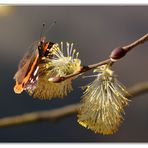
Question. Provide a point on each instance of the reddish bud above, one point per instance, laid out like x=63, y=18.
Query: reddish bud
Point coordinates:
x=117, y=53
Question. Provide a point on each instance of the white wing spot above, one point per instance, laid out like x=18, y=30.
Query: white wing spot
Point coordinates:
x=35, y=72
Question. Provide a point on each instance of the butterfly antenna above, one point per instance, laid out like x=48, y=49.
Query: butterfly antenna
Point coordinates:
x=42, y=31
x=51, y=25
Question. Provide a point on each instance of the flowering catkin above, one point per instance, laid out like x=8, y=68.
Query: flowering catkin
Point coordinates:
x=58, y=65
x=103, y=102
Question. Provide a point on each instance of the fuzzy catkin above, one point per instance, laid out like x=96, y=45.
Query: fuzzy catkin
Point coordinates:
x=102, y=105
x=59, y=65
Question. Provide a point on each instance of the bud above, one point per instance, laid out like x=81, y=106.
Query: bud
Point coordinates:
x=117, y=53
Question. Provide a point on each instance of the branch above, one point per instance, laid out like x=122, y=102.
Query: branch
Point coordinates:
x=136, y=43
x=56, y=114
x=50, y=115
x=82, y=70
x=115, y=55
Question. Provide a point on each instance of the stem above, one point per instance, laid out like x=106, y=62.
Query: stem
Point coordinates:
x=136, y=43
x=115, y=53
x=82, y=70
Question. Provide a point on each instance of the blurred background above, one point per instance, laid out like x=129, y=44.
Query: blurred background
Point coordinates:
x=95, y=31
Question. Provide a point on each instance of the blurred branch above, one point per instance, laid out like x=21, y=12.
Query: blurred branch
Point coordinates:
x=56, y=114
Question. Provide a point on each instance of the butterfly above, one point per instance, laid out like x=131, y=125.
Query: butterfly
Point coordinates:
x=44, y=61
x=27, y=75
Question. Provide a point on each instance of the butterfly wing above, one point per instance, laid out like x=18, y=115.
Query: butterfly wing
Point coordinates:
x=25, y=68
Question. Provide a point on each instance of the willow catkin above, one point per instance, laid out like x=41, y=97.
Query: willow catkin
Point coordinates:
x=60, y=65
x=102, y=105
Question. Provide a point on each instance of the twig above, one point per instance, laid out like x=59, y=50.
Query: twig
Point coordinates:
x=82, y=70
x=136, y=43
x=115, y=55
x=56, y=114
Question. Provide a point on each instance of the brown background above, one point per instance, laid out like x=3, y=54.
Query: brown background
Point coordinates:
x=95, y=30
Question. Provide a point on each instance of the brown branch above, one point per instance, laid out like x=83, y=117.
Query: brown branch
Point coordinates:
x=55, y=114
x=82, y=70
x=115, y=55
x=136, y=43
